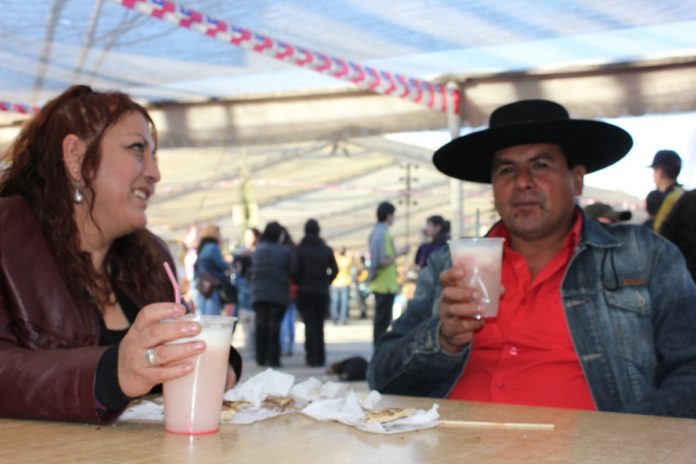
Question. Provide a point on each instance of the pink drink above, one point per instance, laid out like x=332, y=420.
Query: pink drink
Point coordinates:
x=481, y=260
x=192, y=404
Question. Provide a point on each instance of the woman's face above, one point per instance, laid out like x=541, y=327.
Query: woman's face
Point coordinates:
x=126, y=177
x=431, y=230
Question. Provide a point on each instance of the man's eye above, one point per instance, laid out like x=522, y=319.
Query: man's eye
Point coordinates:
x=540, y=165
x=503, y=170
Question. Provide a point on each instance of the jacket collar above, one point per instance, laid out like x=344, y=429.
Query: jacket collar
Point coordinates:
x=595, y=234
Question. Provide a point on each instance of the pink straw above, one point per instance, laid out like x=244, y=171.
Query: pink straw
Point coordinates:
x=175, y=285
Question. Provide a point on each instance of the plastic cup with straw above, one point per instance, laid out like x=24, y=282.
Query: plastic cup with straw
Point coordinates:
x=193, y=403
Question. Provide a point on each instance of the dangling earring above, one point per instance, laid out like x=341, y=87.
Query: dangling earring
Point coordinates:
x=78, y=197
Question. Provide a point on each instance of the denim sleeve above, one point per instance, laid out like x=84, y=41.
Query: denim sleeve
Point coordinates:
x=673, y=294
x=219, y=262
x=408, y=359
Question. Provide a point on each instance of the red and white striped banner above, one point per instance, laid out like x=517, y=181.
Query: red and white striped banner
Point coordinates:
x=436, y=96
x=18, y=108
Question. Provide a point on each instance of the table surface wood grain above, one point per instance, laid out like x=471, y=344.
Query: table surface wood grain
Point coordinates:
x=578, y=437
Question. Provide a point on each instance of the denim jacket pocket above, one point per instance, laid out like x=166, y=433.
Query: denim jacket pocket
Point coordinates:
x=630, y=313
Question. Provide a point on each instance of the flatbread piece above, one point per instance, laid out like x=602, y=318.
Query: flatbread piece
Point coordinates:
x=387, y=415
x=230, y=408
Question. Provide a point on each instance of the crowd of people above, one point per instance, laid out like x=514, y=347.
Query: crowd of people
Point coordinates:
x=596, y=313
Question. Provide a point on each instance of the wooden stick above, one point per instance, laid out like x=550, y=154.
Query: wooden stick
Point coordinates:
x=496, y=425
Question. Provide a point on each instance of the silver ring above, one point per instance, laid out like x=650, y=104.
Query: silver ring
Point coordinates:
x=151, y=357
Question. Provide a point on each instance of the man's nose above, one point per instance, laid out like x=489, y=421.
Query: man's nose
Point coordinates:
x=523, y=178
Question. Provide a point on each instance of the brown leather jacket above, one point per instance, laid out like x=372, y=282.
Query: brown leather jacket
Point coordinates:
x=48, y=340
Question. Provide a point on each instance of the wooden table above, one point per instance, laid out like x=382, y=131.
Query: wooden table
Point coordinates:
x=579, y=437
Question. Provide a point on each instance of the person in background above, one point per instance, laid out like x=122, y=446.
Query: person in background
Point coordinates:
x=209, y=260
x=666, y=166
x=594, y=316
x=360, y=275
x=313, y=268
x=83, y=287
x=270, y=278
x=383, y=276
x=680, y=228
x=437, y=231
x=241, y=264
x=601, y=212
x=652, y=206
x=340, y=287
x=287, y=326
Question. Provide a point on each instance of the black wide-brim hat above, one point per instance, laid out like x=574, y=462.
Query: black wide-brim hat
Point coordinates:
x=594, y=144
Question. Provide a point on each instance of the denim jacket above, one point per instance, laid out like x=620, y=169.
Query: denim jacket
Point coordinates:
x=630, y=305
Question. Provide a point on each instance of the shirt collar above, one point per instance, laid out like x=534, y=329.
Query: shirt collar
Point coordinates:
x=571, y=240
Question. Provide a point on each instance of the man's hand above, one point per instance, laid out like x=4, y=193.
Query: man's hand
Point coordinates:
x=459, y=307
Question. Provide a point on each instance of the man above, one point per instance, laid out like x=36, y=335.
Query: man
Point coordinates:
x=666, y=166
x=383, y=275
x=593, y=317
x=680, y=228
x=601, y=212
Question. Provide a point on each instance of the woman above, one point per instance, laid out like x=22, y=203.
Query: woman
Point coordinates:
x=83, y=288
x=210, y=264
x=340, y=288
x=270, y=275
x=313, y=269
x=437, y=231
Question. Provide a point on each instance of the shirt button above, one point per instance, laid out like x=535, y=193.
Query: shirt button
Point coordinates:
x=513, y=351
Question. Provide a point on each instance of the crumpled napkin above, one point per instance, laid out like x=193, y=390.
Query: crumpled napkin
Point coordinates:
x=350, y=410
x=144, y=410
x=320, y=401
x=255, y=390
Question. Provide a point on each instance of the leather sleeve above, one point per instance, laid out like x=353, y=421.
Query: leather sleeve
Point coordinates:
x=48, y=342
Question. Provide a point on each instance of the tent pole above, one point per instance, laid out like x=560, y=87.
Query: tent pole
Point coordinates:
x=454, y=121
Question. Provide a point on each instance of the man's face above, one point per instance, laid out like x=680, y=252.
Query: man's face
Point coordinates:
x=534, y=190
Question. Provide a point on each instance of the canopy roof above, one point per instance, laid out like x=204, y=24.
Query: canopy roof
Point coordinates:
x=312, y=143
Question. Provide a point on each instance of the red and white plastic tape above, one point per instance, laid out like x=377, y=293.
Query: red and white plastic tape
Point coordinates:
x=18, y=108
x=436, y=96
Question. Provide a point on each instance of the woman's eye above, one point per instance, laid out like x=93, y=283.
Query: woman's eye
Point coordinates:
x=138, y=148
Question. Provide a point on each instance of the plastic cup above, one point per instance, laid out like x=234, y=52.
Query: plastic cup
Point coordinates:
x=193, y=403
x=480, y=259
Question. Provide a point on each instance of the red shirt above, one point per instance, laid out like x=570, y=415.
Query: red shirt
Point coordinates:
x=526, y=355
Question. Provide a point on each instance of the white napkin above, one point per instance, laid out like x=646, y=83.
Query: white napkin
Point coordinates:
x=348, y=410
x=144, y=410
x=320, y=401
x=257, y=388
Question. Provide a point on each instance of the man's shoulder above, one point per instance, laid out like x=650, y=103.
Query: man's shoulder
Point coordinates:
x=631, y=238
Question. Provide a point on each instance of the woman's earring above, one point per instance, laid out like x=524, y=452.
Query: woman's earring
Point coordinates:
x=78, y=197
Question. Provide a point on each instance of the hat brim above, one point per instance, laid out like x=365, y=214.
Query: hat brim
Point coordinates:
x=594, y=144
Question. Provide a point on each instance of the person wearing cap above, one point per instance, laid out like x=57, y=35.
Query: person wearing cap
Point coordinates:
x=666, y=166
x=601, y=212
x=595, y=317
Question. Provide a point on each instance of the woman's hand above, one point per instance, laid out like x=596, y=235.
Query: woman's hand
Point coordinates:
x=135, y=375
